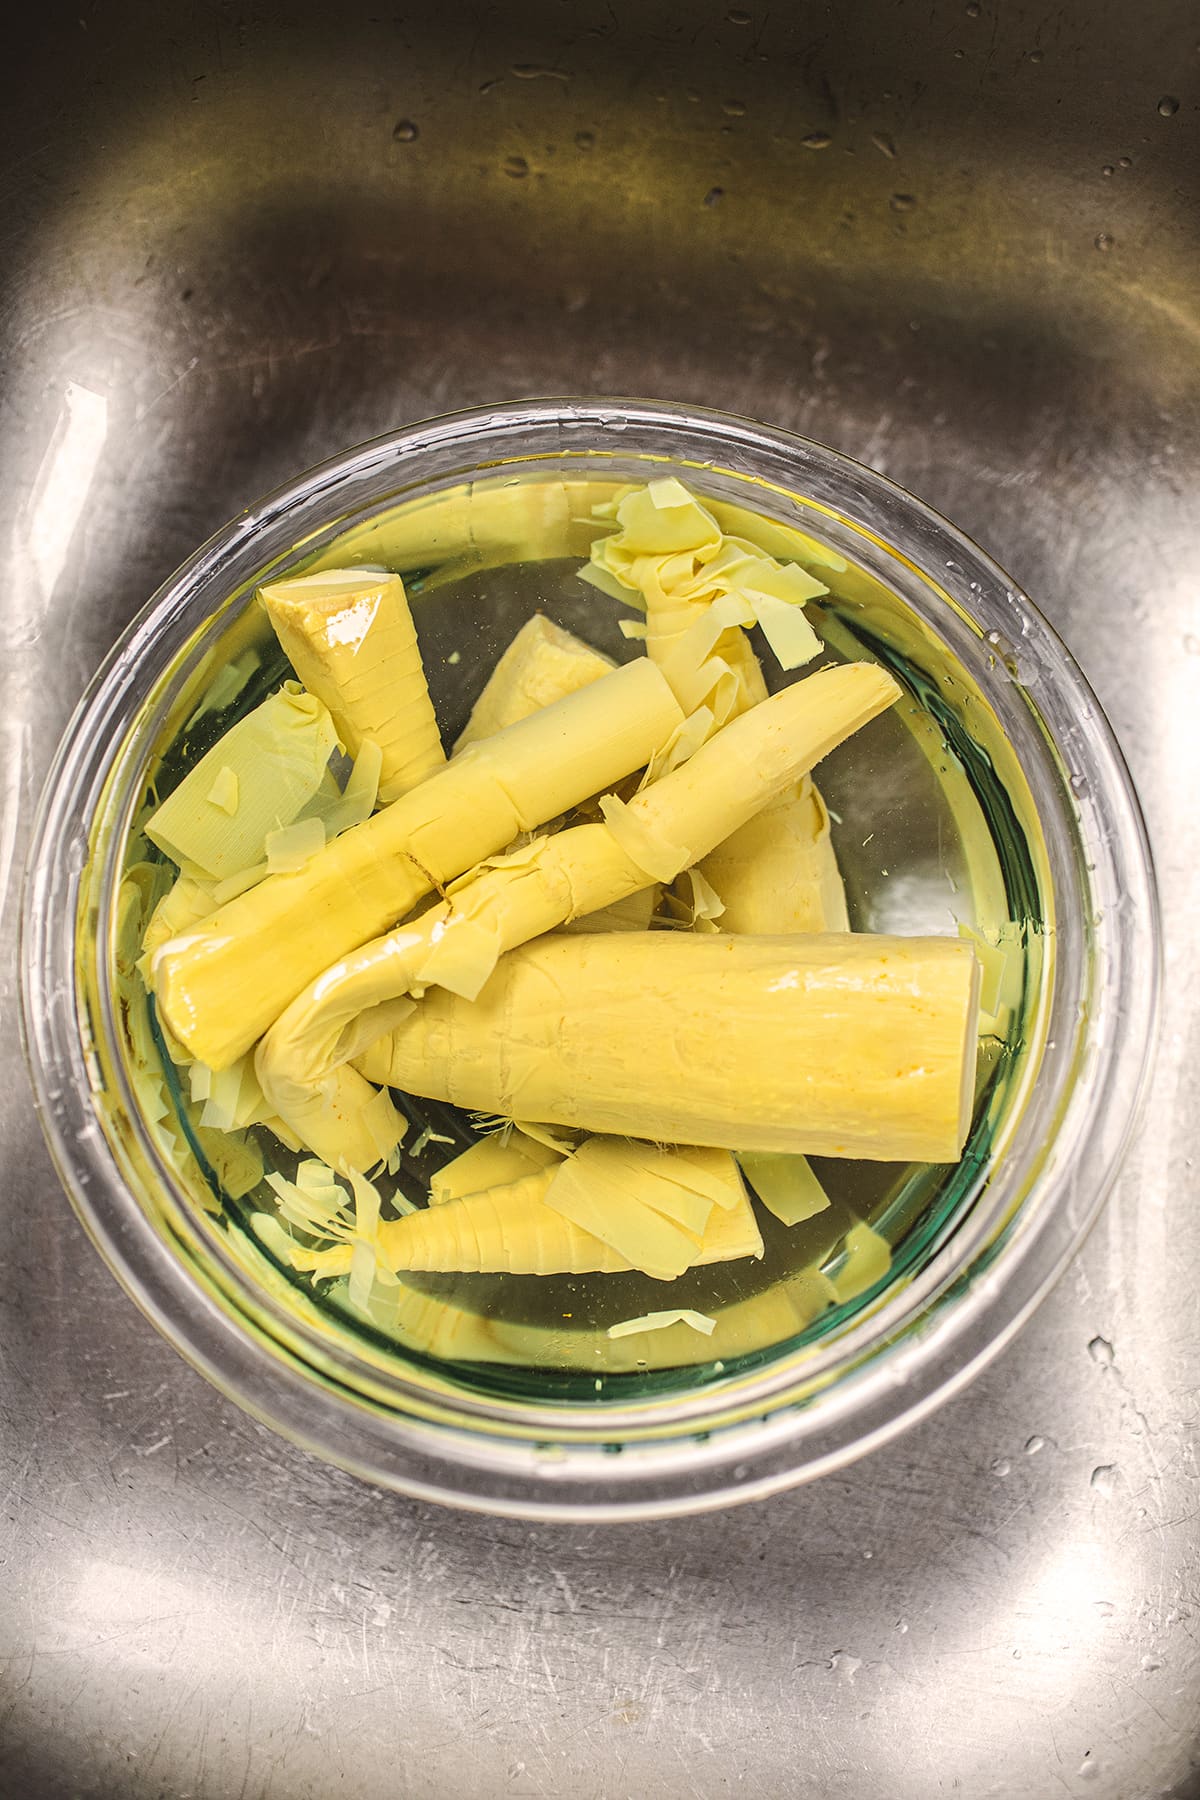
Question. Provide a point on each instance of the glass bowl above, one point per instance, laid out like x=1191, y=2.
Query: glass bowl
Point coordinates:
x=992, y=797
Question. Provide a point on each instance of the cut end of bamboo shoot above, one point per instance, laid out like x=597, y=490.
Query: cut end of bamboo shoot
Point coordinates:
x=543, y=663
x=350, y=637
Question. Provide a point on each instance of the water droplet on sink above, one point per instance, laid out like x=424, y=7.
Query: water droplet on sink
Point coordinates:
x=883, y=143
x=1001, y=1467
x=1168, y=106
x=1089, y=1767
x=973, y=9
x=734, y=109
x=1034, y=1444
x=585, y=140
x=714, y=196
x=1124, y=162
x=1037, y=56
x=737, y=15
x=902, y=203
x=1104, y=240
x=1150, y=1662
x=817, y=140
x=1107, y=169
x=405, y=132
x=1102, y=1352
x=1104, y=1480
x=517, y=167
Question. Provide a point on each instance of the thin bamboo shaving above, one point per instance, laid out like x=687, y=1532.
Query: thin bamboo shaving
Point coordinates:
x=276, y=757
x=224, y=791
x=785, y=1184
x=658, y=1321
x=295, y=845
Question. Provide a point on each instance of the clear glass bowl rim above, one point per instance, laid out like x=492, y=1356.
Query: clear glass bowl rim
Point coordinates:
x=918, y=1350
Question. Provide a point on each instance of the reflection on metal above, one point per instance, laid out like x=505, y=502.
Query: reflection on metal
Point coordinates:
x=63, y=483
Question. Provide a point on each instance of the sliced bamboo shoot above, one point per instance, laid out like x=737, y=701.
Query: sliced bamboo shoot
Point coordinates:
x=698, y=589
x=834, y=1045
x=778, y=872
x=221, y=985
x=493, y=1161
x=661, y=831
x=350, y=637
x=271, y=763
x=786, y=1185
x=543, y=663
x=513, y=1230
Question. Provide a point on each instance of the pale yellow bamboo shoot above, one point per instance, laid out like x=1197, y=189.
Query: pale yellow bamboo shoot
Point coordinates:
x=350, y=637
x=225, y=982
x=834, y=1045
x=492, y=1161
x=543, y=663
x=512, y=1230
x=778, y=872
x=662, y=830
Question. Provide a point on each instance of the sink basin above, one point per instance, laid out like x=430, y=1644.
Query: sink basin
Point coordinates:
x=956, y=242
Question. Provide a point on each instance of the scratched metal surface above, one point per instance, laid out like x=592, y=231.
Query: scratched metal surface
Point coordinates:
x=227, y=252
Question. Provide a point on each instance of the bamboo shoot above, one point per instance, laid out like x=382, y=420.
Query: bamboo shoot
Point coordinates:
x=223, y=983
x=543, y=663
x=833, y=1045
x=661, y=831
x=515, y=1230
x=350, y=637
x=778, y=872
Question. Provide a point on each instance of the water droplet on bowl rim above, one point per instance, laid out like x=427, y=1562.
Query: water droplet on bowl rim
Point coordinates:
x=1168, y=106
x=516, y=167
x=902, y=203
x=405, y=132
x=817, y=140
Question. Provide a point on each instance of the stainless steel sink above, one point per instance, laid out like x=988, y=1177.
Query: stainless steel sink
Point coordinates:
x=957, y=241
